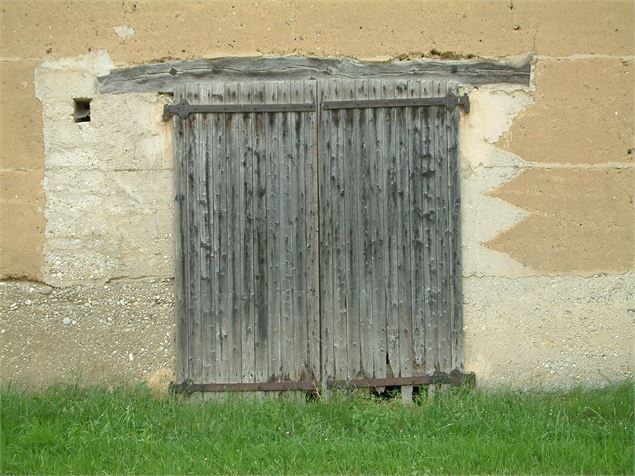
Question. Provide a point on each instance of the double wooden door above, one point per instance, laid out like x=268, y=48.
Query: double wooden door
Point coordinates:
x=318, y=236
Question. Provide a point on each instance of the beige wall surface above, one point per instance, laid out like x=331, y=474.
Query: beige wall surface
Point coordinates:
x=548, y=171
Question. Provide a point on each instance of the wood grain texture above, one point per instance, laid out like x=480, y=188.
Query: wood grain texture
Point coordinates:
x=318, y=245
x=310, y=151
x=180, y=173
x=389, y=213
x=325, y=160
x=166, y=77
x=375, y=124
x=244, y=259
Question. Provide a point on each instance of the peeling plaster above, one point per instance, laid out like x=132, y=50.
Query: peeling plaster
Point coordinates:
x=485, y=167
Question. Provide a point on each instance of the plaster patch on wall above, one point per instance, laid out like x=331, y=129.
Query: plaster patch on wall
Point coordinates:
x=108, y=182
x=549, y=331
x=492, y=111
x=124, y=32
x=484, y=167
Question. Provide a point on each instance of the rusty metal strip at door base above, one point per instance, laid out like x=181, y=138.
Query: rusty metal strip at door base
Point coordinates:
x=454, y=378
x=188, y=387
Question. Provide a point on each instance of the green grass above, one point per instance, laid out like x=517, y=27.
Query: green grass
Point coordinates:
x=92, y=430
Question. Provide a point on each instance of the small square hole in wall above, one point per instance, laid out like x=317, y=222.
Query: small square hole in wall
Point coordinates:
x=82, y=110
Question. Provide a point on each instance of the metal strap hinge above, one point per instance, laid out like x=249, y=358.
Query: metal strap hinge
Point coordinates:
x=451, y=101
x=183, y=108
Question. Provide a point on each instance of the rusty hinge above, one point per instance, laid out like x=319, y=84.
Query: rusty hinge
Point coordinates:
x=183, y=108
x=450, y=101
x=455, y=378
x=187, y=387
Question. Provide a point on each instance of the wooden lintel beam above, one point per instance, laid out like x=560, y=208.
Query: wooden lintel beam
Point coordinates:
x=164, y=77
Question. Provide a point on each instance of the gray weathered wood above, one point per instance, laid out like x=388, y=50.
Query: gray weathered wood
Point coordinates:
x=376, y=121
x=441, y=163
x=219, y=238
x=417, y=226
x=318, y=245
x=351, y=228
x=287, y=354
x=298, y=250
x=246, y=237
x=364, y=231
x=193, y=240
x=405, y=137
x=165, y=77
x=406, y=191
x=339, y=135
x=272, y=136
x=326, y=150
x=233, y=157
x=231, y=170
x=455, y=270
x=432, y=322
x=260, y=168
x=310, y=150
x=180, y=163
x=205, y=236
x=429, y=246
x=390, y=197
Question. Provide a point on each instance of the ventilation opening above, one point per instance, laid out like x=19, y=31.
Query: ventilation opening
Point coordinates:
x=82, y=110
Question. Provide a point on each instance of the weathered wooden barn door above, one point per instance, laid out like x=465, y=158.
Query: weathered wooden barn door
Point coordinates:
x=318, y=233
x=247, y=277
x=389, y=230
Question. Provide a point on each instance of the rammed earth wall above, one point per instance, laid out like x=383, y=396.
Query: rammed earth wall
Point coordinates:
x=547, y=177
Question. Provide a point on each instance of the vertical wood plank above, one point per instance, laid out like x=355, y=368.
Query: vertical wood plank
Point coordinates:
x=247, y=237
x=404, y=136
x=227, y=270
x=234, y=157
x=312, y=233
x=364, y=233
x=273, y=132
x=194, y=239
x=456, y=275
x=338, y=224
x=417, y=211
x=260, y=170
x=429, y=234
x=211, y=126
x=219, y=235
x=326, y=160
x=299, y=344
x=376, y=121
x=432, y=349
x=349, y=171
x=390, y=146
x=207, y=254
x=286, y=236
x=180, y=134
x=444, y=331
